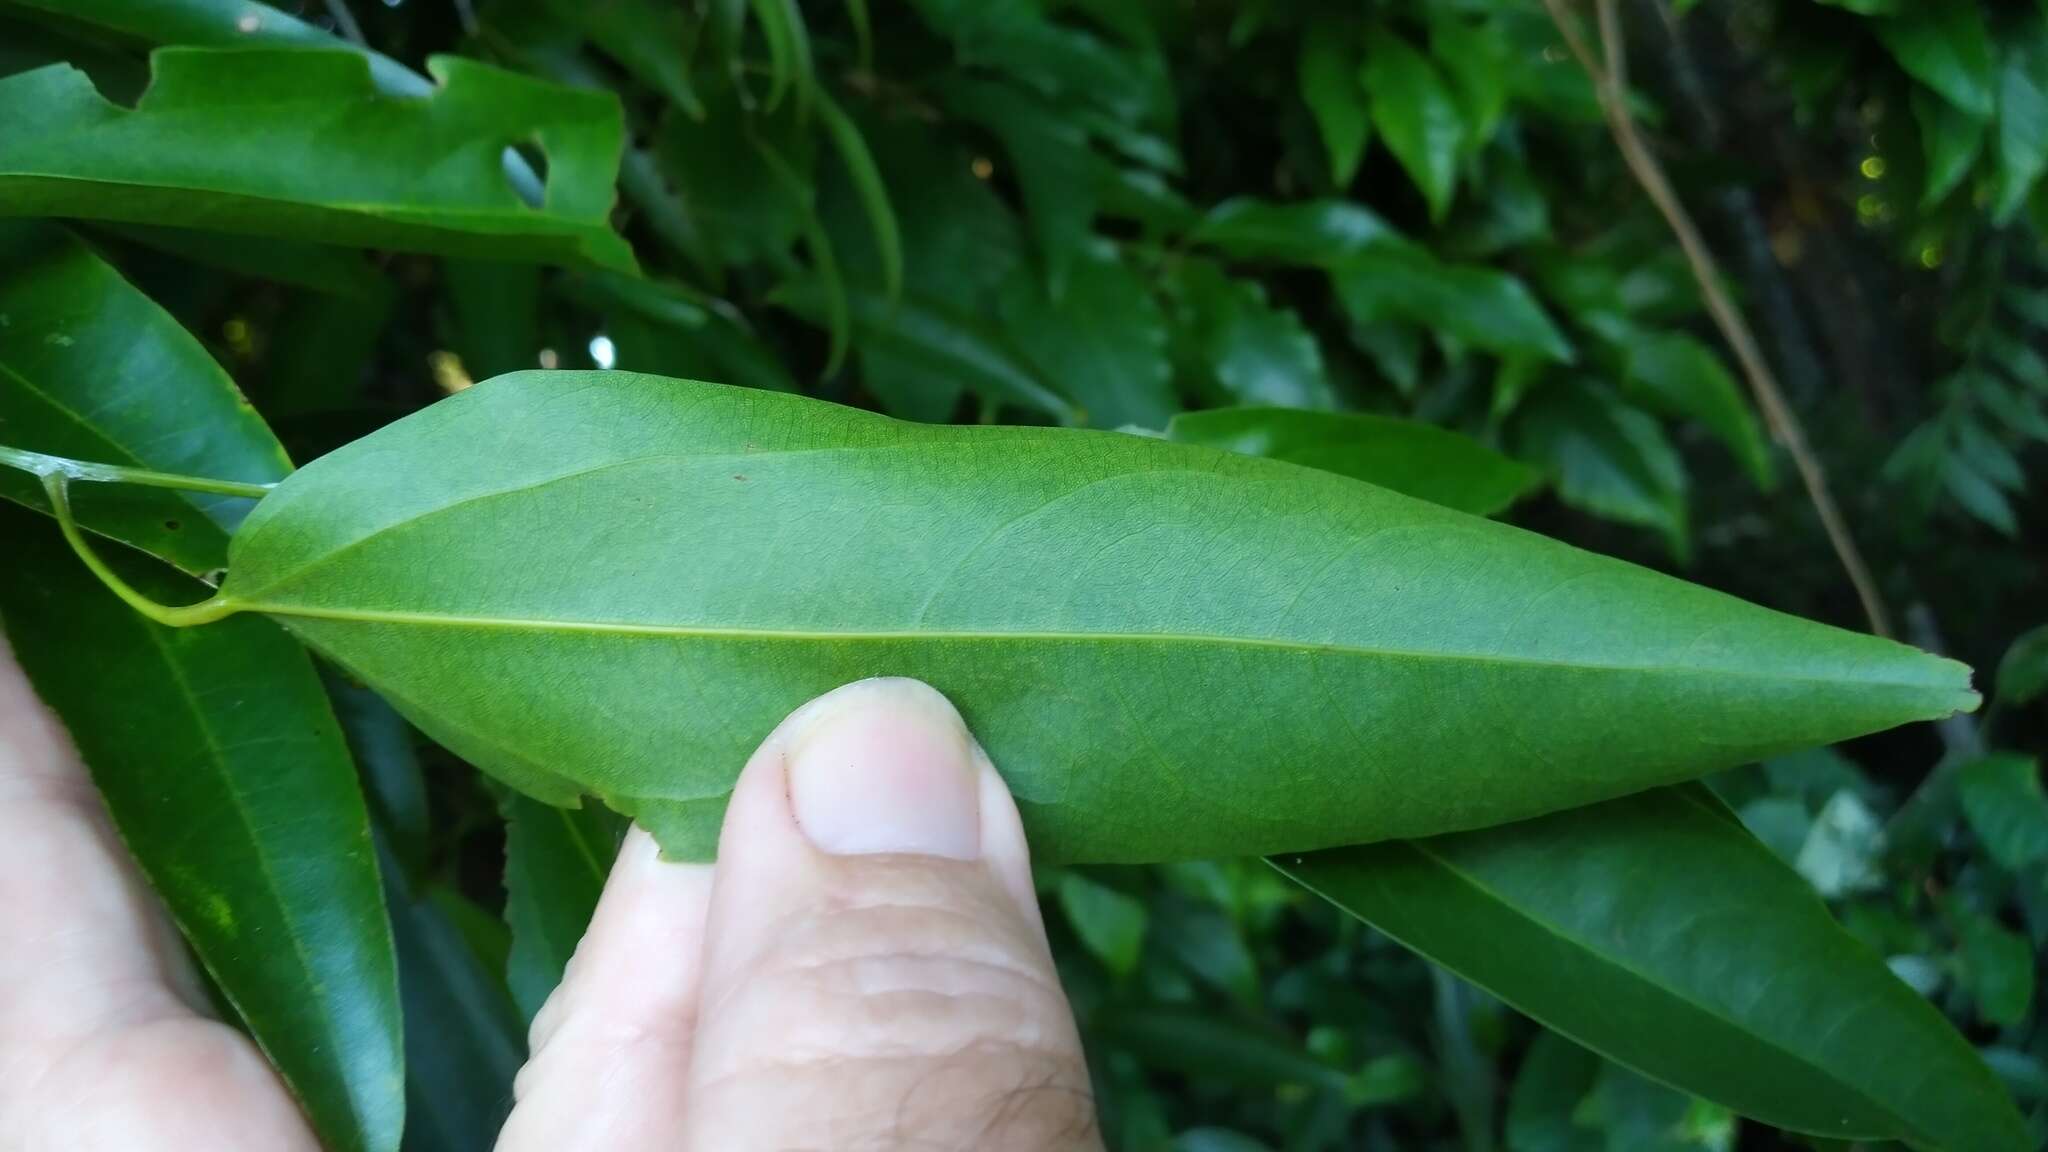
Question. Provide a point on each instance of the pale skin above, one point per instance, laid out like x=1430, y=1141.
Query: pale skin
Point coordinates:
x=864, y=968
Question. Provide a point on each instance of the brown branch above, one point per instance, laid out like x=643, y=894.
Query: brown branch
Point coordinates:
x=1610, y=84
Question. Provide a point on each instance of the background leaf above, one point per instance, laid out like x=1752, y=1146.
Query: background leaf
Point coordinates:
x=1416, y=115
x=1604, y=924
x=1328, y=76
x=227, y=140
x=92, y=369
x=1414, y=459
x=556, y=862
x=280, y=899
x=1945, y=45
x=1679, y=375
x=1101, y=342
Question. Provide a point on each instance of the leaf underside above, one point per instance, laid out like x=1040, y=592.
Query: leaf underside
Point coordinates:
x=616, y=584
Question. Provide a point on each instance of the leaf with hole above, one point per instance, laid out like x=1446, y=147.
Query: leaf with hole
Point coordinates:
x=298, y=143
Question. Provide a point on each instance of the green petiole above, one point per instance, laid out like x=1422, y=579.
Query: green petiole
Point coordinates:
x=47, y=466
x=57, y=473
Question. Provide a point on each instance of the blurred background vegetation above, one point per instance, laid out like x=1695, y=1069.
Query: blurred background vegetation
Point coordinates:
x=1113, y=212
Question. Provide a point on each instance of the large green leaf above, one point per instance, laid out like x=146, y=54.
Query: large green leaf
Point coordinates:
x=556, y=862
x=1945, y=45
x=1416, y=459
x=227, y=776
x=1173, y=651
x=1102, y=341
x=1655, y=930
x=299, y=143
x=92, y=369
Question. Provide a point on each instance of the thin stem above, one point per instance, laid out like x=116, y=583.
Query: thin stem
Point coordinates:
x=1610, y=84
x=345, y=23
x=48, y=466
x=58, y=486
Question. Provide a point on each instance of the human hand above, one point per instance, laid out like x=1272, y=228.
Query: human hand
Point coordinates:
x=865, y=967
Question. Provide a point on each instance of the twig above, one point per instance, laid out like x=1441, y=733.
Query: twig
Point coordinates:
x=345, y=23
x=1610, y=84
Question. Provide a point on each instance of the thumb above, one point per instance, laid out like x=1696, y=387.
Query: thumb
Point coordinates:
x=875, y=971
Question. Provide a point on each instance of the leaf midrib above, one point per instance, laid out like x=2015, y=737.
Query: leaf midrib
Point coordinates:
x=332, y=1057
x=716, y=632
x=632, y=628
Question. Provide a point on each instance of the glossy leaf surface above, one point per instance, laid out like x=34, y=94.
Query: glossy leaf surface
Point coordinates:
x=1656, y=931
x=226, y=730
x=1172, y=651
x=1415, y=459
x=299, y=143
x=92, y=369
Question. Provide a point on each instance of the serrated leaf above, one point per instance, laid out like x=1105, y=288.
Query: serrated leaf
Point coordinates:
x=556, y=862
x=1410, y=457
x=1102, y=343
x=228, y=730
x=2003, y=802
x=1609, y=924
x=1679, y=376
x=298, y=143
x=987, y=562
x=1609, y=459
x=1244, y=348
x=1945, y=45
x=1480, y=306
x=1416, y=115
x=92, y=369
x=1327, y=75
